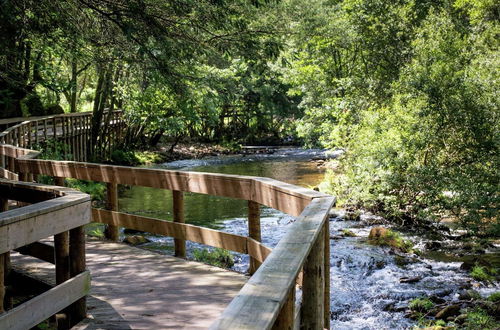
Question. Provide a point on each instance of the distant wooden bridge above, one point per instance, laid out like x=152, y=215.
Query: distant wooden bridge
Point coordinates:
x=132, y=288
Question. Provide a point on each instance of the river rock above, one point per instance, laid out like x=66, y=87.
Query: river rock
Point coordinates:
x=451, y=310
x=136, y=240
x=437, y=300
x=410, y=279
x=469, y=295
x=460, y=319
x=351, y=215
x=433, y=245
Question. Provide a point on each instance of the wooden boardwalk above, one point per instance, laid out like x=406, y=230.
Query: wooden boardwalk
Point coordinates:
x=137, y=289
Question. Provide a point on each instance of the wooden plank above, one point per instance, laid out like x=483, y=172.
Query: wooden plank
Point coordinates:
x=259, y=302
x=197, y=234
x=178, y=210
x=38, y=250
x=31, y=223
x=205, y=183
x=48, y=303
x=6, y=174
x=257, y=250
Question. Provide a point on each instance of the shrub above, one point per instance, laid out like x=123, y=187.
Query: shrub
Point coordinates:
x=96, y=190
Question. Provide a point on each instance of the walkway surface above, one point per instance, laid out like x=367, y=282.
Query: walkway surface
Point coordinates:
x=138, y=289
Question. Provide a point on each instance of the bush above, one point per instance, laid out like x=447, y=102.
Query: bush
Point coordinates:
x=216, y=257
x=96, y=190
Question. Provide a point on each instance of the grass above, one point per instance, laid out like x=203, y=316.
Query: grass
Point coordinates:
x=421, y=304
x=216, y=257
x=479, y=319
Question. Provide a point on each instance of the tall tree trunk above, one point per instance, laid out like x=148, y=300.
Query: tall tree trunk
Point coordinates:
x=74, y=85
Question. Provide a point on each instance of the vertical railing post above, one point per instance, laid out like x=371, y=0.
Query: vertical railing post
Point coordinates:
x=254, y=231
x=313, y=287
x=112, y=232
x=4, y=261
x=178, y=208
x=77, y=265
x=2, y=281
x=327, y=274
x=286, y=316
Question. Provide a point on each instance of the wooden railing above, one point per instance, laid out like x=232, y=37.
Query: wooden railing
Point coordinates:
x=48, y=211
x=300, y=260
x=72, y=130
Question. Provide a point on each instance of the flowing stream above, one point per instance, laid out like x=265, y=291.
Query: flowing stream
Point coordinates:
x=365, y=280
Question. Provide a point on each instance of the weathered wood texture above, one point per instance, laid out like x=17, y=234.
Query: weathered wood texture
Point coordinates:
x=48, y=303
x=112, y=232
x=259, y=302
x=184, y=231
x=137, y=289
x=254, y=231
x=178, y=211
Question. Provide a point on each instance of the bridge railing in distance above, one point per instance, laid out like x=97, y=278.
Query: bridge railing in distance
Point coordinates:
x=46, y=211
x=299, y=261
x=72, y=130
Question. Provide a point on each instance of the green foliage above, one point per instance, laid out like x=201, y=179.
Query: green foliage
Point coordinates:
x=216, y=257
x=134, y=158
x=479, y=319
x=421, y=304
x=481, y=273
x=96, y=190
x=431, y=148
x=495, y=297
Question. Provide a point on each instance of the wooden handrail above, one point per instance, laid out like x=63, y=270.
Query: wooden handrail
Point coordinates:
x=267, y=299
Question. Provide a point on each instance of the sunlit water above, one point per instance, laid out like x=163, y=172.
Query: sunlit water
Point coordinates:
x=364, y=278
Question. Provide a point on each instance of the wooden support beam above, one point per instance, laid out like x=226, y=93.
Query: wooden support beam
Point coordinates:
x=178, y=201
x=61, y=255
x=313, y=287
x=78, y=309
x=112, y=232
x=327, y=274
x=2, y=282
x=254, y=231
x=286, y=317
x=38, y=250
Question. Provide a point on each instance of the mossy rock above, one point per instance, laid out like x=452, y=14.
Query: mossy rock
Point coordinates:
x=385, y=237
x=54, y=109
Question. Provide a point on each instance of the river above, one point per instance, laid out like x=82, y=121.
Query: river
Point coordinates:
x=365, y=280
